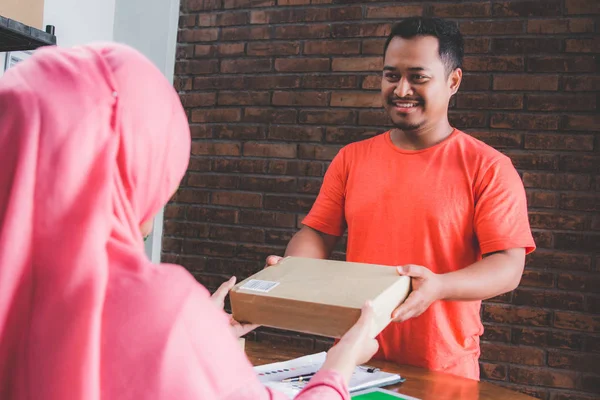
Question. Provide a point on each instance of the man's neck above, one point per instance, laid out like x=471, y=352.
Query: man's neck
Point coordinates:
x=421, y=138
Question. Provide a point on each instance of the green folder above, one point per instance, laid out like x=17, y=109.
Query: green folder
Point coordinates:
x=380, y=394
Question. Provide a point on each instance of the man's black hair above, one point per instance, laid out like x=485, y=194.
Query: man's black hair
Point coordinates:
x=451, y=44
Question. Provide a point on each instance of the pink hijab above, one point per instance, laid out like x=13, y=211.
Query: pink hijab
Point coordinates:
x=94, y=142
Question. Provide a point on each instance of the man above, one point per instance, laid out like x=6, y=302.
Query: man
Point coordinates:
x=445, y=207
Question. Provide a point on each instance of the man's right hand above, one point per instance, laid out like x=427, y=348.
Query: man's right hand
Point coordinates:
x=272, y=260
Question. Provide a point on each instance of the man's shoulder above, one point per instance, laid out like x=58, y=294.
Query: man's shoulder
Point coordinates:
x=361, y=146
x=476, y=149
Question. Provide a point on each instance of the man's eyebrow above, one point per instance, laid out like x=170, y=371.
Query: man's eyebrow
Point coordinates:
x=390, y=68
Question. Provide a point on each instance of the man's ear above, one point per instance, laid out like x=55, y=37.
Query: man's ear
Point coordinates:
x=454, y=80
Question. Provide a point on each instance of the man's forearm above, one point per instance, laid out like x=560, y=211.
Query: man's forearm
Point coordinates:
x=310, y=243
x=495, y=274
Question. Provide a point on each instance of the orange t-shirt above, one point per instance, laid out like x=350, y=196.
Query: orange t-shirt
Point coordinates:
x=440, y=207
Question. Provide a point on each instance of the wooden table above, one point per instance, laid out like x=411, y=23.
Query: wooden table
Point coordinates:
x=420, y=383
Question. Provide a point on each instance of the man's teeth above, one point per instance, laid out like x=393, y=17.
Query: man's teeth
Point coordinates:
x=406, y=105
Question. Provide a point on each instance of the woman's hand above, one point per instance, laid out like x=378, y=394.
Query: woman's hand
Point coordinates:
x=218, y=298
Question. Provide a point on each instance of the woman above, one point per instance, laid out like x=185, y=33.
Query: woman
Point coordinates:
x=94, y=142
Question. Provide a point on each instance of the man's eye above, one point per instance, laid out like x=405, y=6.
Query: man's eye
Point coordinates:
x=392, y=77
x=419, y=77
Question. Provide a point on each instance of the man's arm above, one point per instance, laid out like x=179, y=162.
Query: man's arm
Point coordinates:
x=495, y=274
x=308, y=242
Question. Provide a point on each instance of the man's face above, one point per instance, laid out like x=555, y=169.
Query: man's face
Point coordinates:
x=415, y=88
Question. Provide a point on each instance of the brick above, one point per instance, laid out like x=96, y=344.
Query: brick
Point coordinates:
x=528, y=8
x=218, y=82
x=580, y=201
x=255, y=149
x=239, y=165
x=302, y=64
x=243, y=98
x=371, y=82
x=218, y=181
x=360, y=30
x=182, y=83
x=280, y=237
x=461, y=10
x=247, y=3
x=525, y=45
x=312, y=31
x=270, y=82
x=539, y=199
x=576, y=242
x=330, y=81
x=552, y=181
x=332, y=47
x=589, y=383
x=548, y=299
x=288, y=203
x=186, y=195
x=582, y=46
x=533, y=161
x=172, y=245
x=269, y=115
x=293, y=2
x=579, y=282
x=373, y=46
x=345, y=135
x=317, y=152
x=216, y=50
x=197, y=247
x=286, y=16
x=537, y=279
x=581, y=7
x=582, y=122
x=295, y=168
x=512, y=354
x=475, y=82
x=289, y=98
x=267, y=218
x=184, y=51
x=196, y=67
x=581, y=83
x=505, y=298
x=245, y=33
x=356, y=99
x=563, y=102
x=190, y=100
x=223, y=19
x=216, y=148
x=268, y=184
x=547, y=141
x=496, y=333
x=577, y=321
x=198, y=35
x=526, y=82
x=374, y=118
x=493, y=63
x=201, y=5
x=468, y=119
x=524, y=121
x=216, y=115
x=199, y=164
x=483, y=28
x=564, y=25
x=561, y=64
x=237, y=199
x=551, y=220
x=543, y=377
x=213, y=215
x=580, y=163
x=558, y=260
x=309, y=185
x=547, y=338
x=569, y=395
x=535, y=392
x=273, y=48
x=185, y=229
x=357, y=64
x=477, y=45
x=494, y=101
x=328, y=117
x=516, y=315
x=237, y=234
x=543, y=239
x=592, y=304
x=187, y=21
x=296, y=133
x=387, y=12
x=174, y=211
x=492, y=371
x=245, y=65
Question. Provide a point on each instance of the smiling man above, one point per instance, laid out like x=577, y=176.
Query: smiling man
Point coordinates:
x=445, y=208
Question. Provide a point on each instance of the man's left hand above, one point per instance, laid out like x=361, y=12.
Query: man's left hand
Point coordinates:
x=427, y=287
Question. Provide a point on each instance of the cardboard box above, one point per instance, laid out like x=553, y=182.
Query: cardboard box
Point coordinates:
x=28, y=12
x=321, y=297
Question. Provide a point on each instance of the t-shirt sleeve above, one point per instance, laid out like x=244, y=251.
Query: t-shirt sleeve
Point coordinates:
x=327, y=214
x=501, y=220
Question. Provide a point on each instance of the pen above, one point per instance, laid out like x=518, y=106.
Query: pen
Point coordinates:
x=299, y=378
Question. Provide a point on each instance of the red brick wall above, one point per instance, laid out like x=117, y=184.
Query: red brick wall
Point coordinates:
x=274, y=89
